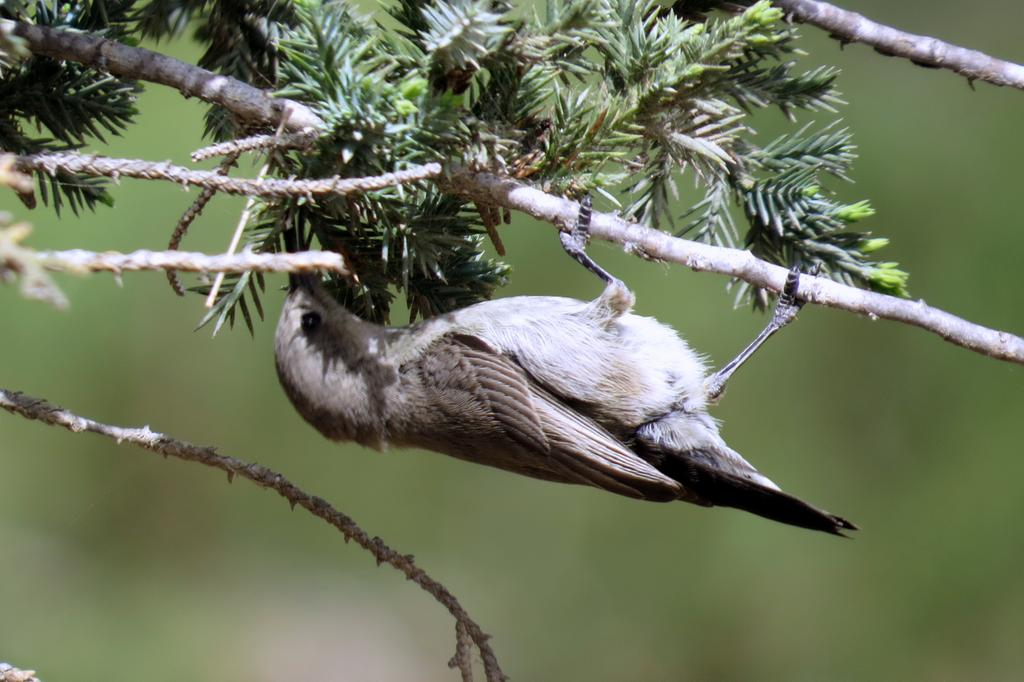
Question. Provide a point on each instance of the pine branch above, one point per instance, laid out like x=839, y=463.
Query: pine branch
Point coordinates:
x=162, y=444
x=58, y=105
x=463, y=32
x=850, y=27
x=248, y=103
x=512, y=194
x=739, y=264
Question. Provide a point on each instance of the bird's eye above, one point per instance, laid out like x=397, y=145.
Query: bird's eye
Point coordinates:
x=310, y=321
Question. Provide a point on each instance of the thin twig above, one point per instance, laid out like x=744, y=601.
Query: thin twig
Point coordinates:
x=105, y=166
x=243, y=220
x=490, y=216
x=850, y=27
x=191, y=213
x=248, y=103
x=36, y=408
x=463, y=658
x=736, y=263
x=301, y=140
x=80, y=261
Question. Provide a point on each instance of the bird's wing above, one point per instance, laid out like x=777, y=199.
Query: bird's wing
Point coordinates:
x=491, y=392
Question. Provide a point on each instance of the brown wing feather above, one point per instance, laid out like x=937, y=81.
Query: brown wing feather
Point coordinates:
x=582, y=444
x=493, y=389
x=501, y=385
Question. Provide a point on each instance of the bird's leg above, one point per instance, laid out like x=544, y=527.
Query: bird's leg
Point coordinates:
x=786, y=308
x=575, y=244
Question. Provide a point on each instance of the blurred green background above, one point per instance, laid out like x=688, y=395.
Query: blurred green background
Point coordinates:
x=119, y=565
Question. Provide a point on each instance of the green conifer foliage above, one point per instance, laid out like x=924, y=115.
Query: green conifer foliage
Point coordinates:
x=621, y=98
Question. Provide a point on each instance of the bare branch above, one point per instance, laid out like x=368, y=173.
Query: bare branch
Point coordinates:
x=463, y=653
x=36, y=408
x=80, y=261
x=244, y=101
x=850, y=27
x=740, y=264
x=104, y=166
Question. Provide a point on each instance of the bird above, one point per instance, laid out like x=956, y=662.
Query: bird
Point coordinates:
x=555, y=388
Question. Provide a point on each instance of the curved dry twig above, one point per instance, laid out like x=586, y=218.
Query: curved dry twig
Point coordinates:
x=850, y=27
x=736, y=263
x=105, y=166
x=41, y=410
x=187, y=218
x=193, y=211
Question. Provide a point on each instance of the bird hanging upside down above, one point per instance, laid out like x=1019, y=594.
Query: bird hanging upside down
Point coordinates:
x=553, y=388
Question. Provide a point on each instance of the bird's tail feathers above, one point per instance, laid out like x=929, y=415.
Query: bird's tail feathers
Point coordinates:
x=714, y=486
